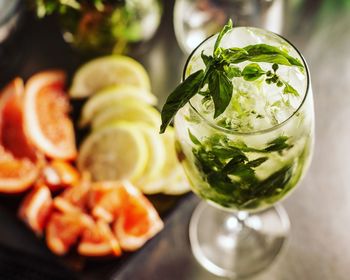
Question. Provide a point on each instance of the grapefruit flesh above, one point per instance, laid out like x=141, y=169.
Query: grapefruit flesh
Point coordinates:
x=99, y=241
x=138, y=222
x=19, y=162
x=63, y=231
x=36, y=208
x=46, y=109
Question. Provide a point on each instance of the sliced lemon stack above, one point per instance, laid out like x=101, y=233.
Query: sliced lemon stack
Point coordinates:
x=125, y=142
x=106, y=71
x=103, y=152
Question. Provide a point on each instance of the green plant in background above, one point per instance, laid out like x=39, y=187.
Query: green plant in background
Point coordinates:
x=103, y=26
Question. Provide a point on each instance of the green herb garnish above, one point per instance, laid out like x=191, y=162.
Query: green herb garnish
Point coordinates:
x=180, y=96
x=215, y=80
x=226, y=167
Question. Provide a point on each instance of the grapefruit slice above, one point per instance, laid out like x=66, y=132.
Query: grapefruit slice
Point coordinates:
x=79, y=193
x=36, y=208
x=64, y=229
x=19, y=162
x=46, y=109
x=98, y=241
x=138, y=222
x=107, y=199
x=64, y=206
x=60, y=174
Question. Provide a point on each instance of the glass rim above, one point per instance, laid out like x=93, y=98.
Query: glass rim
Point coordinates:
x=260, y=131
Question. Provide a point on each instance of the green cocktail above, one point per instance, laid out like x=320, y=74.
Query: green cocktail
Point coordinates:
x=255, y=152
x=244, y=124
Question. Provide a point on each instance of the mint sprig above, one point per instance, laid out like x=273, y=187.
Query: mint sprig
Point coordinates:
x=232, y=177
x=220, y=69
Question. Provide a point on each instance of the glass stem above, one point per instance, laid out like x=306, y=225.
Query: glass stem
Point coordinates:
x=242, y=216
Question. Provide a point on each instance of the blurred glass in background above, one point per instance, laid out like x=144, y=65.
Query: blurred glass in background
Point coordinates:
x=111, y=28
x=11, y=12
x=9, y=15
x=195, y=20
x=99, y=27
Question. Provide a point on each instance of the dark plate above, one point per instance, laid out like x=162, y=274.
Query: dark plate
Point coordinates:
x=36, y=46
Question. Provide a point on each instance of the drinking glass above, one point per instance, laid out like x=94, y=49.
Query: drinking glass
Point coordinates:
x=195, y=20
x=241, y=169
x=114, y=28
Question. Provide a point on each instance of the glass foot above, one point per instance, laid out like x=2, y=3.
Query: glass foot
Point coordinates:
x=237, y=245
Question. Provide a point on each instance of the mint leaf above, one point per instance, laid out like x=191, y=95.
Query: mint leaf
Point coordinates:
x=231, y=166
x=252, y=72
x=244, y=171
x=180, y=96
x=222, y=33
x=289, y=89
x=277, y=180
x=220, y=88
x=278, y=144
x=257, y=162
x=193, y=138
x=222, y=182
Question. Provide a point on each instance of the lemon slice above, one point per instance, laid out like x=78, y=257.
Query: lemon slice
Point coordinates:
x=107, y=71
x=169, y=171
x=114, y=96
x=178, y=184
x=114, y=153
x=157, y=155
x=130, y=111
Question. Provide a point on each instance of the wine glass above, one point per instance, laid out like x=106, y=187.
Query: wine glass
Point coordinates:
x=245, y=161
x=195, y=20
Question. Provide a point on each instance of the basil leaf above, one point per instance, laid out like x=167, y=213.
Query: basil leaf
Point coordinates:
x=263, y=49
x=220, y=88
x=180, y=96
x=252, y=72
x=222, y=33
x=208, y=60
x=289, y=89
x=271, y=58
x=232, y=72
x=234, y=55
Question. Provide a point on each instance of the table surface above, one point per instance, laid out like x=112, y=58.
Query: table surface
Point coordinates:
x=319, y=209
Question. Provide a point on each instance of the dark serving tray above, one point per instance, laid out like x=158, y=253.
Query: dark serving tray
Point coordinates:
x=38, y=45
